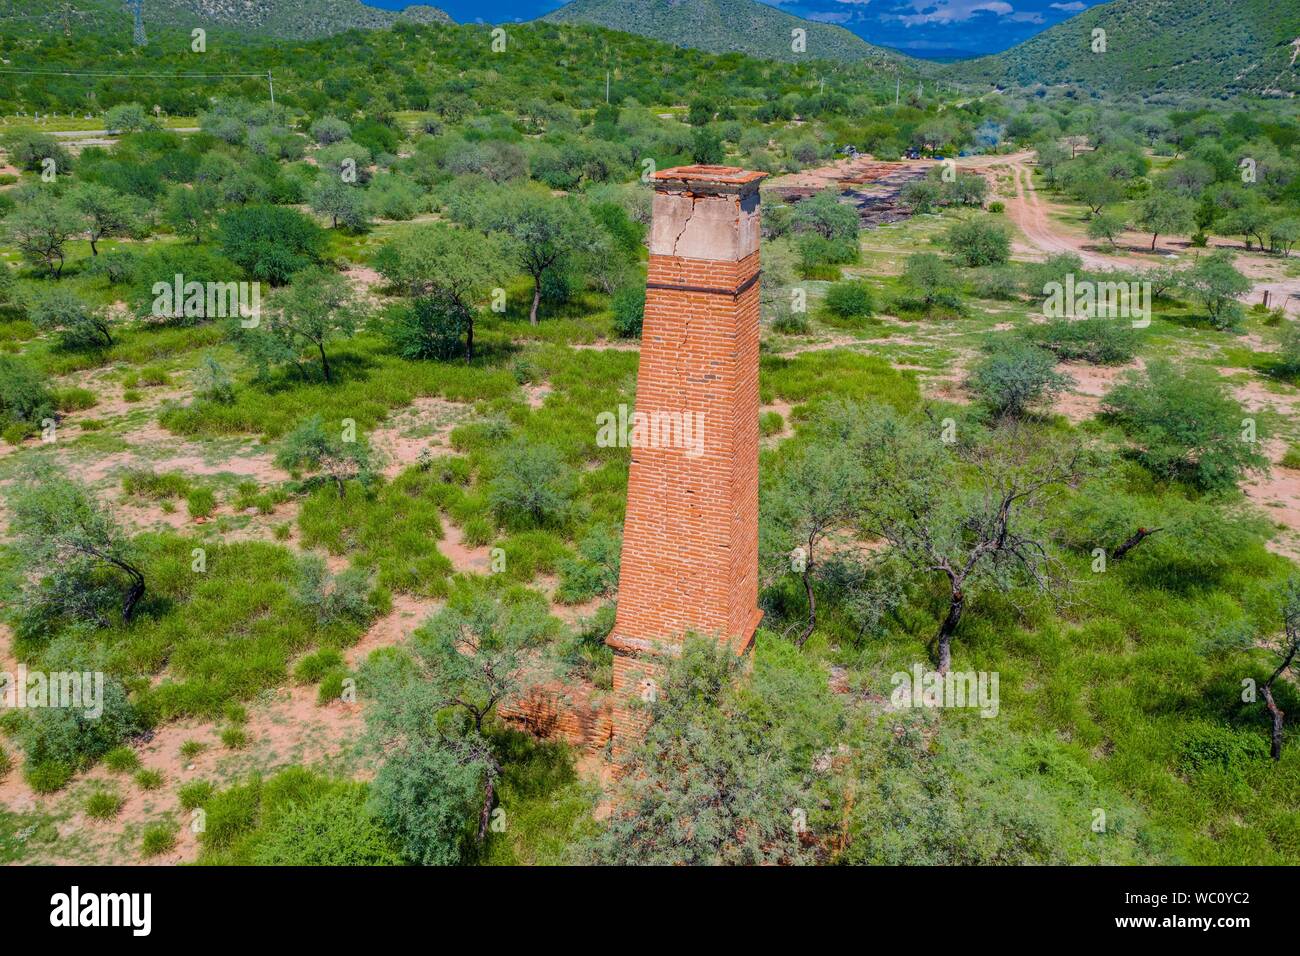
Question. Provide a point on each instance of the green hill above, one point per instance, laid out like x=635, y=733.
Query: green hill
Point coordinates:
x=274, y=19
x=723, y=26
x=1208, y=47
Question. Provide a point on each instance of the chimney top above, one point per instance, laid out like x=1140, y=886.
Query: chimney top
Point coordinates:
x=708, y=179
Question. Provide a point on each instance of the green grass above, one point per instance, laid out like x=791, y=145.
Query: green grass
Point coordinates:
x=104, y=805
x=157, y=838
x=149, y=779
x=217, y=636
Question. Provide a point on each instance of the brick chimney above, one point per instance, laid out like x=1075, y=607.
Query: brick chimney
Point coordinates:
x=690, y=539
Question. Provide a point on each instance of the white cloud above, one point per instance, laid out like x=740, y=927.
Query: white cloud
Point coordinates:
x=830, y=17
x=1073, y=7
x=953, y=11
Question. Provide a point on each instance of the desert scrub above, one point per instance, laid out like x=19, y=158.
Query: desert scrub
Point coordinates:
x=143, y=483
x=234, y=738
x=75, y=399
x=224, y=635
x=104, y=805
x=295, y=818
x=149, y=779
x=6, y=763
x=121, y=760
x=157, y=838
x=387, y=530
x=1292, y=457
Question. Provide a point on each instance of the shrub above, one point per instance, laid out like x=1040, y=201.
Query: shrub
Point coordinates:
x=332, y=829
x=234, y=738
x=1100, y=341
x=6, y=763
x=593, y=571
x=628, y=308
x=270, y=243
x=428, y=799
x=1015, y=376
x=149, y=779
x=850, y=300
x=24, y=396
x=1184, y=425
x=428, y=328
x=533, y=487
x=1204, y=746
x=979, y=243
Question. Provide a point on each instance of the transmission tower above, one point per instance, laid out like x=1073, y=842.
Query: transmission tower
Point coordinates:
x=138, y=7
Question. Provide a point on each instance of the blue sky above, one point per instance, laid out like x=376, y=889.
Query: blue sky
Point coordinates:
x=920, y=27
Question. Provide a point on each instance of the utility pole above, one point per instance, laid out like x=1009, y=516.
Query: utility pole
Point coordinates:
x=898, y=87
x=271, y=83
x=607, y=86
x=138, y=38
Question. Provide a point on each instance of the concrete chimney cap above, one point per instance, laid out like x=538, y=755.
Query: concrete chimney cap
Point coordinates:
x=708, y=179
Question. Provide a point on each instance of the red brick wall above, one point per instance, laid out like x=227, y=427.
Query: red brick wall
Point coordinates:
x=690, y=539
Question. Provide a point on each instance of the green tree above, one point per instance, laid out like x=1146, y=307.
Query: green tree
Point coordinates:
x=1215, y=281
x=747, y=743
x=41, y=229
x=1164, y=212
x=341, y=202
x=1108, y=226
x=547, y=233
x=189, y=212
x=317, y=308
x=1184, y=425
x=271, y=243
x=973, y=513
x=78, y=324
x=105, y=212
x=63, y=534
x=812, y=497
x=453, y=268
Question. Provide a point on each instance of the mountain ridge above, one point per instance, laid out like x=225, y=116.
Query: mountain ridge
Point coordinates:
x=725, y=26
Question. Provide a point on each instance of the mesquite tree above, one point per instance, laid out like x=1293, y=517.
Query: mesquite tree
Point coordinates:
x=972, y=514
x=813, y=495
x=64, y=535
x=1286, y=649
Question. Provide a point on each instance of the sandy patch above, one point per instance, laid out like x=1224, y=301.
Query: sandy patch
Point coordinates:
x=1083, y=400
